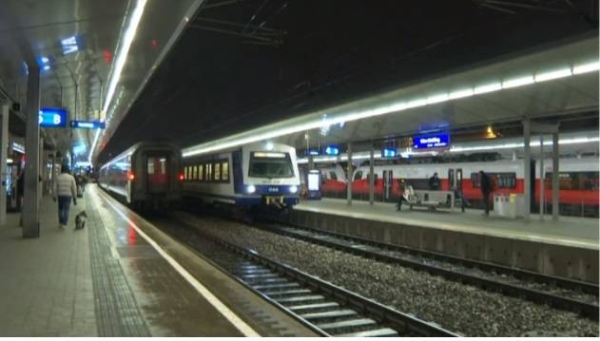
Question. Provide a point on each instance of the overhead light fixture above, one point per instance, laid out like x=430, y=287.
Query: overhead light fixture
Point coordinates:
x=437, y=98
x=124, y=46
x=361, y=110
x=515, y=82
x=461, y=94
x=553, y=75
x=584, y=68
x=487, y=88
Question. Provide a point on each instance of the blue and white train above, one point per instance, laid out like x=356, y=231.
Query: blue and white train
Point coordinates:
x=147, y=175
x=251, y=176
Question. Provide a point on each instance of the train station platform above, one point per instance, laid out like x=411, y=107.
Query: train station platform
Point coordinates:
x=120, y=277
x=567, y=247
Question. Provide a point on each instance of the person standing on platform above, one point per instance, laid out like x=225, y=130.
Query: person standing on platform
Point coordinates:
x=486, y=189
x=434, y=182
x=65, y=190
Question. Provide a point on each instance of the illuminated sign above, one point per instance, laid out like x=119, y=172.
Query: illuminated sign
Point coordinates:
x=69, y=45
x=388, y=152
x=440, y=140
x=332, y=150
x=312, y=152
x=88, y=124
x=53, y=118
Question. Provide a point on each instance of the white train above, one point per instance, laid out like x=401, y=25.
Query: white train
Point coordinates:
x=146, y=175
x=254, y=175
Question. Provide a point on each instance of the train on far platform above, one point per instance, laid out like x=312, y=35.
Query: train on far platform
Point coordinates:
x=253, y=176
x=147, y=176
x=578, y=181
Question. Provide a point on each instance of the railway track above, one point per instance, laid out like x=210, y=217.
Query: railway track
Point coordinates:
x=323, y=307
x=576, y=296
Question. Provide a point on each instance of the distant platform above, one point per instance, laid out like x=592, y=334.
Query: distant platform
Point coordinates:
x=566, y=248
x=569, y=231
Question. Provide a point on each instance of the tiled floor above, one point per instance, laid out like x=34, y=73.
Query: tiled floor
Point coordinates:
x=108, y=280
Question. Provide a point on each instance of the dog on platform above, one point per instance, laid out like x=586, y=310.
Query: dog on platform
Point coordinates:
x=80, y=220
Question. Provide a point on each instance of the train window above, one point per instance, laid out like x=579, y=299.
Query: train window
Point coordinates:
x=201, y=172
x=209, y=172
x=499, y=180
x=270, y=165
x=225, y=171
x=194, y=172
x=358, y=175
x=185, y=173
x=333, y=176
x=150, y=166
x=586, y=181
x=217, y=171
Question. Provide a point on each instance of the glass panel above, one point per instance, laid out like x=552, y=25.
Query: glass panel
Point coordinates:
x=217, y=171
x=225, y=171
x=270, y=165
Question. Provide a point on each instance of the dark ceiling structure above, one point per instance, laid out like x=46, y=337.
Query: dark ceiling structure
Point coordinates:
x=241, y=64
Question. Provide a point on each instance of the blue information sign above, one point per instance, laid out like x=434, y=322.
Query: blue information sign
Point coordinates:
x=440, y=140
x=53, y=117
x=88, y=124
x=388, y=152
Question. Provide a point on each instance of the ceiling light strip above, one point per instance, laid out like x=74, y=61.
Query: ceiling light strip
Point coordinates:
x=124, y=46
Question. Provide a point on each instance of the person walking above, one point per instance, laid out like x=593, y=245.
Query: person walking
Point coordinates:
x=403, y=195
x=65, y=190
x=486, y=189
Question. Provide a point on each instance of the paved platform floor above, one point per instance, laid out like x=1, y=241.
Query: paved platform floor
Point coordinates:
x=108, y=280
x=571, y=231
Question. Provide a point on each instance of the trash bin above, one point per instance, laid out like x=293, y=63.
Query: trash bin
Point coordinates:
x=499, y=204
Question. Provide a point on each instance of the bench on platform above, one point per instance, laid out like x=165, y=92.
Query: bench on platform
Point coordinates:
x=431, y=199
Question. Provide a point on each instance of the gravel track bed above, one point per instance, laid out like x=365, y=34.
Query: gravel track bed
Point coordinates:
x=551, y=289
x=456, y=307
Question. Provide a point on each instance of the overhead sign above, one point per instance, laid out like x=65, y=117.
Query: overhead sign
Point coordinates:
x=53, y=117
x=88, y=124
x=429, y=141
x=388, y=152
x=332, y=150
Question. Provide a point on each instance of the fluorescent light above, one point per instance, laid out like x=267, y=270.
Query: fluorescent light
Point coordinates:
x=124, y=44
x=461, y=93
x=437, y=98
x=514, y=82
x=46, y=67
x=416, y=103
x=584, y=68
x=553, y=75
x=487, y=88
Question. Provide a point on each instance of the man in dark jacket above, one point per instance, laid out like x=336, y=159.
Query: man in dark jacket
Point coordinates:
x=486, y=189
x=434, y=182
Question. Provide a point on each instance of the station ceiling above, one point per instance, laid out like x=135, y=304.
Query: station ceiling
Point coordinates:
x=233, y=65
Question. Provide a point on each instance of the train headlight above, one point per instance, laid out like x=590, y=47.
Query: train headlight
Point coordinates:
x=251, y=189
x=293, y=189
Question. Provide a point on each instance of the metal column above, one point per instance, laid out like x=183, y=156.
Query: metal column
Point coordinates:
x=31, y=220
x=542, y=190
x=372, y=177
x=349, y=177
x=555, y=174
x=53, y=175
x=526, y=168
x=3, y=157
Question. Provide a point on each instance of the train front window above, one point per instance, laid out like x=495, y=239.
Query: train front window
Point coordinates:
x=270, y=165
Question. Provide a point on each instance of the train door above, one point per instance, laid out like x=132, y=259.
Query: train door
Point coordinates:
x=388, y=182
x=455, y=177
x=157, y=173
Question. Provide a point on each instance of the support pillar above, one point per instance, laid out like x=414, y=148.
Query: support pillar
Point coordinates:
x=3, y=157
x=372, y=177
x=526, y=169
x=349, y=177
x=31, y=219
x=53, y=175
x=555, y=177
x=542, y=184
